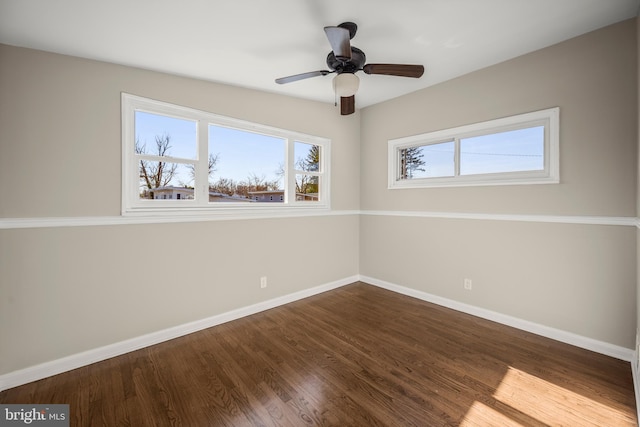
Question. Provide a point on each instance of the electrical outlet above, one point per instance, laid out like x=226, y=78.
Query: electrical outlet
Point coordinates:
x=263, y=282
x=468, y=284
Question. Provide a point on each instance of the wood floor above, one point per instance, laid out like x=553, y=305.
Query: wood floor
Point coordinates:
x=355, y=356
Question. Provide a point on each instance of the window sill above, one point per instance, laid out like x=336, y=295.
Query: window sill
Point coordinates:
x=225, y=212
x=471, y=182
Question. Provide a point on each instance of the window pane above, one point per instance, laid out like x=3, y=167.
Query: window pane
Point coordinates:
x=427, y=161
x=165, y=181
x=248, y=166
x=165, y=136
x=307, y=157
x=512, y=151
x=307, y=188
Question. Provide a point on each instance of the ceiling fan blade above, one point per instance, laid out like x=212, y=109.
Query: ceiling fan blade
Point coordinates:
x=401, y=70
x=339, y=39
x=296, y=77
x=347, y=105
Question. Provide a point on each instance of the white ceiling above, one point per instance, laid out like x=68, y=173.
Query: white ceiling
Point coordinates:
x=250, y=43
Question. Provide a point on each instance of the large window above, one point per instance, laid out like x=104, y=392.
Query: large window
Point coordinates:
x=521, y=149
x=177, y=159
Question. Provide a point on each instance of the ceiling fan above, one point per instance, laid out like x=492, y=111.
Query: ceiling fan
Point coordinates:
x=346, y=60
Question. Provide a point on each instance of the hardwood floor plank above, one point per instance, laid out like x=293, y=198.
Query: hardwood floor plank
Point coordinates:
x=355, y=356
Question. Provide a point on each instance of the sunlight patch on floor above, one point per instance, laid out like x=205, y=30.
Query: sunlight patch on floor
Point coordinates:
x=481, y=415
x=526, y=398
x=542, y=401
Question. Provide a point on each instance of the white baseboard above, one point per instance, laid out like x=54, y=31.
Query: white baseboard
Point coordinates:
x=612, y=350
x=54, y=367
x=635, y=365
x=636, y=384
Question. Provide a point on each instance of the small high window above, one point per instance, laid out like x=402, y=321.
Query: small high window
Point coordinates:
x=522, y=149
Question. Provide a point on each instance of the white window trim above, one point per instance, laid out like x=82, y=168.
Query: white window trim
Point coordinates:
x=550, y=118
x=132, y=205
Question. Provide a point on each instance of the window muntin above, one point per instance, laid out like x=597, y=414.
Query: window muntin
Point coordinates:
x=179, y=160
x=521, y=149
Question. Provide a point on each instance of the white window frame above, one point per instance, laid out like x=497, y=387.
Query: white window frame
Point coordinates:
x=549, y=118
x=133, y=205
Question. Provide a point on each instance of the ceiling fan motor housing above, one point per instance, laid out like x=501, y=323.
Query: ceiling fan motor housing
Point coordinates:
x=356, y=62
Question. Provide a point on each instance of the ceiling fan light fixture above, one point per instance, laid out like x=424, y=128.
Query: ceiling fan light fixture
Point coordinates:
x=346, y=84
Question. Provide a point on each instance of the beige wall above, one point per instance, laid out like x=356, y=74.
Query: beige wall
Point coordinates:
x=638, y=193
x=576, y=278
x=70, y=289
x=64, y=290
